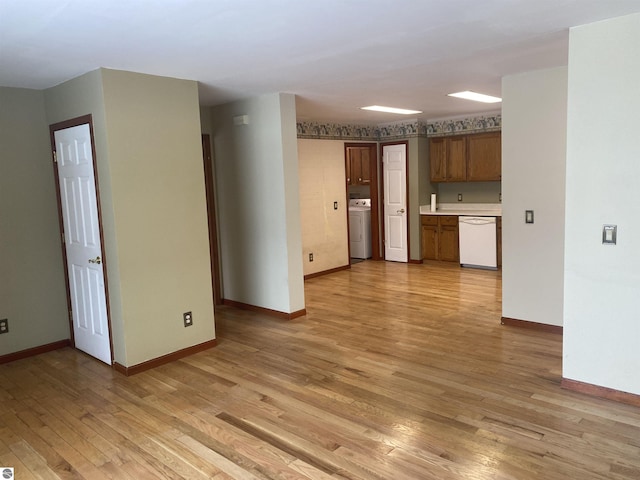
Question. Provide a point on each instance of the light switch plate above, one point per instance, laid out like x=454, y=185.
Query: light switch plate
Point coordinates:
x=528, y=216
x=609, y=234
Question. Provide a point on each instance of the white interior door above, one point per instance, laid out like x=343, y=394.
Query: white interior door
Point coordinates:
x=82, y=241
x=394, y=166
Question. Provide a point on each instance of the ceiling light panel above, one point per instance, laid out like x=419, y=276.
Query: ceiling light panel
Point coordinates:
x=476, y=97
x=401, y=111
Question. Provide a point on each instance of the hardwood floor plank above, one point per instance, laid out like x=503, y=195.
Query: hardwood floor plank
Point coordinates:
x=396, y=372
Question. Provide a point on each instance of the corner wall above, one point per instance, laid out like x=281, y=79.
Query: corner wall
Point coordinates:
x=258, y=203
x=159, y=207
x=32, y=283
x=603, y=147
x=533, y=178
x=151, y=178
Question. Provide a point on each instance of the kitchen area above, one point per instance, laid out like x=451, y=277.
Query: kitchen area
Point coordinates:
x=458, y=160
x=462, y=222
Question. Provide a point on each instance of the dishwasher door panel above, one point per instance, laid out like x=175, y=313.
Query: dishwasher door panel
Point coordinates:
x=478, y=242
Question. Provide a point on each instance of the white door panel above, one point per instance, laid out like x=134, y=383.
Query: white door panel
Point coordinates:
x=395, y=202
x=82, y=241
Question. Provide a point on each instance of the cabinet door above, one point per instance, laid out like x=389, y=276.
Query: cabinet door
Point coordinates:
x=456, y=159
x=430, y=242
x=365, y=166
x=485, y=157
x=358, y=165
x=348, y=168
x=438, y=159
x=448, y=241
x=353, y=165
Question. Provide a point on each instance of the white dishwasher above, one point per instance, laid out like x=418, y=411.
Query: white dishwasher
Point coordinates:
x=478, y=242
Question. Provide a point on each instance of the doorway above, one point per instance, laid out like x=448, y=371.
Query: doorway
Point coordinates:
x=361, y=167
x=82, y=239
x=210, y=181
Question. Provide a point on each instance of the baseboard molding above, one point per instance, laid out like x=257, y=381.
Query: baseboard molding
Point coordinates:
x=30, y=352
x=540, y=327
x=327, y=272
x=266, y=311
x=415, y=262
x=170, y=357
x=601, y=392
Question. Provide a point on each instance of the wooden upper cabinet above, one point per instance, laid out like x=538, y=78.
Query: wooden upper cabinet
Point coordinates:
x=484, y=157
x=448, y=159
x=466, y=158
x=456, y=159
x=438, y=159
x=358, y=165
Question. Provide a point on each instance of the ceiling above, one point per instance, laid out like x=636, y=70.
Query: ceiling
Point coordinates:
x=335, y=55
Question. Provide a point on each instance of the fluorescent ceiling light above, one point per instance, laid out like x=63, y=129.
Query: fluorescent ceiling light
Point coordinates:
x=476, y=97
x=401, y=111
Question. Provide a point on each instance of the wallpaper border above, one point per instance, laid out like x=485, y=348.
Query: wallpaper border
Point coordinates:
x=399, y=130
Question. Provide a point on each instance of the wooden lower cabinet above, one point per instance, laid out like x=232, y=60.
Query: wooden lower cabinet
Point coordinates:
x=429, y=237
x=440, y=237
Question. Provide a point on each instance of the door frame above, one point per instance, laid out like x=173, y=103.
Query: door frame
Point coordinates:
x=210, y=191
x=406, y=180
x=374, y=194
x=75, y=122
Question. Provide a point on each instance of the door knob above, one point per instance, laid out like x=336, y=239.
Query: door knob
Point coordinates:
x=400, y=211
x=97, y=260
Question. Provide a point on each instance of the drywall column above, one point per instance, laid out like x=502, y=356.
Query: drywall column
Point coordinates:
x=258, y=202
x=151, y=179
x=602, y=282
x=160, y=213
x=533, y=178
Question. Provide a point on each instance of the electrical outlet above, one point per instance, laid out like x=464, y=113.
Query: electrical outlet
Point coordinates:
x=188, y=319
x=459, y=197
x=311, y=257
x=4, y=326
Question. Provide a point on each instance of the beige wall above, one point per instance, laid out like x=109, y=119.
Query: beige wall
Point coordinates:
x=32, y=283
x=80, y=96
x=157, y=189
x=322, y=182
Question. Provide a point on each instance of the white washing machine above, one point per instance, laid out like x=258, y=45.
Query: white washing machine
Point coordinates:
x=360, y=227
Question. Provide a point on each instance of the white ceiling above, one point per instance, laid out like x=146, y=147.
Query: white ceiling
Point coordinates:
x=335, y=55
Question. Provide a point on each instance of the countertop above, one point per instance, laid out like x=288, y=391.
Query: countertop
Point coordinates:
x=468, y=209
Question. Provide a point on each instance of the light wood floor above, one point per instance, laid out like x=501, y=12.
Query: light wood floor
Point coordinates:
x=397, y=372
